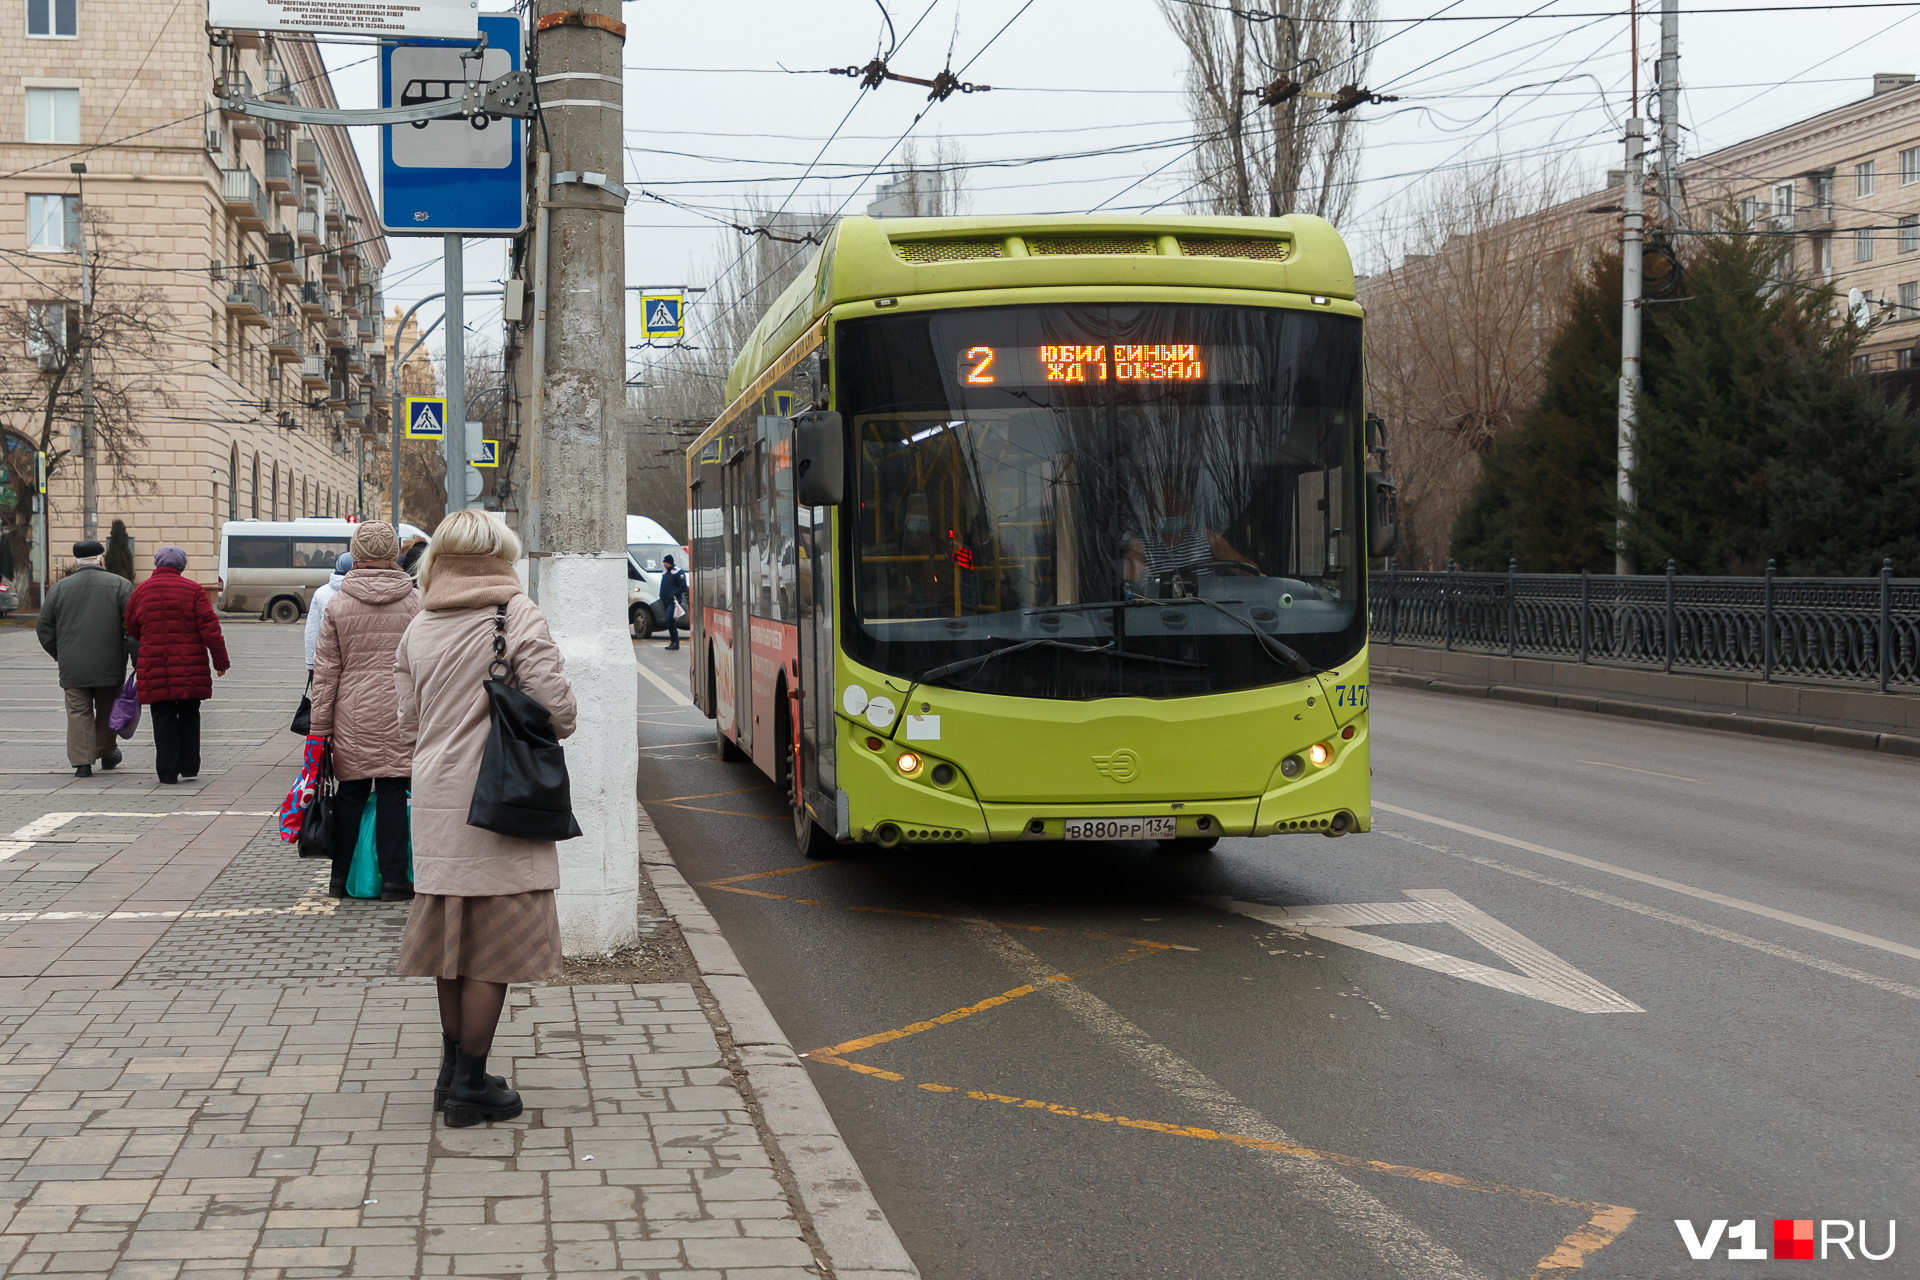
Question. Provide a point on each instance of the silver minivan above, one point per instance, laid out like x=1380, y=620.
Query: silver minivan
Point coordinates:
x=273, y=567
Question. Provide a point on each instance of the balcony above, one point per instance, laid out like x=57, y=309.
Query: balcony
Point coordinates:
x=313, y=370
x=369, y=328
x=283, y=344
x=279, y=87
x=307, y=158
x=246, y=202
x=1817, y=218
x=336, y=331
x=307, y=224
x=313, y=300
x=246, y=300
x=314, y=197
x=280, y=178
x=356, y=359
x=357, y=415
x=332, y=270
x=336, y=393
x=280, y=256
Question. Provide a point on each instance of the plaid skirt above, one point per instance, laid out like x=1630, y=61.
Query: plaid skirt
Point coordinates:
x=511, y=938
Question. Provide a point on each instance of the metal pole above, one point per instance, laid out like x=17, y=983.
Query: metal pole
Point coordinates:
x=1669, y=645
x=536, y=415
x=1886, y=622
x=1630, y=289
x=1512, y=567
x=89, y=465
x=1446, y=600
x=394, y=415
x=1586, y=627
x=1766, y=647
x=1668, y=74
x=1393, y=605
x=453, y=445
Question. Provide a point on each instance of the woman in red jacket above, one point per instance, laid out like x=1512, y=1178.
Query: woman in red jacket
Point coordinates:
x=173, y=622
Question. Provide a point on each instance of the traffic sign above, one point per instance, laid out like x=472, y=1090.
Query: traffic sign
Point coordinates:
x=489, y=454
x=663, y=316
x=426, y=418
x=462, y=175
x=782, y=404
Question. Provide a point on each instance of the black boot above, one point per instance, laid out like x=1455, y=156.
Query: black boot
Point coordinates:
x=474, y=1095
x=112, y=761
x=83, y=771
x=448, y=1046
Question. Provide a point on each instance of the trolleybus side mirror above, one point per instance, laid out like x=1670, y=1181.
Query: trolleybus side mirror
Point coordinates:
x=1376, y=433
x=1383, y=515
x=819, y=460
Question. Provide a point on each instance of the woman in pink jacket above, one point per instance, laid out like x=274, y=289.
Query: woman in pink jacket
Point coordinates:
x=353, y=704
x=484, y=913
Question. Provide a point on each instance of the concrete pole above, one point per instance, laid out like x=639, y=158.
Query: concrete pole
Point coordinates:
x=1630, y=292
x=1669, y=115
x=453, y=445
x=581, y=477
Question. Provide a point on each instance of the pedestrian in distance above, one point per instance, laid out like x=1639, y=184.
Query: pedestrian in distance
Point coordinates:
x=172, y=621
x=317, y=607
x=353, y=704
x=410, y=558
x=83, y=627
x=483, y=913
x=673, y=590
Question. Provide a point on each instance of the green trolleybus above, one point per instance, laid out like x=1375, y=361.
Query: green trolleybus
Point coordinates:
x=1047, y=528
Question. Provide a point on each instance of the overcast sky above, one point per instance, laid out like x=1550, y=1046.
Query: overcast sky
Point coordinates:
x=711, y=119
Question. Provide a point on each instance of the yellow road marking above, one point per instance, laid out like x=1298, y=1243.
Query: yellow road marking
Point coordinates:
x=732, y=813
x=711, y=795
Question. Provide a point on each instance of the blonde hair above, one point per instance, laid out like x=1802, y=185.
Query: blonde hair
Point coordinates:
x=468, y=532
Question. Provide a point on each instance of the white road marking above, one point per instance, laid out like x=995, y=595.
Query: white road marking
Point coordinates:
x=1738, y=904
x=46, y=824
x=1651, y=773
x=1401, y=1247
x=1685, y=922
x=1543, y=975
x=659, y=682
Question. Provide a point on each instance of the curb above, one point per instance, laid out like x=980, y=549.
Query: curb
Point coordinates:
x=1830, y=735
x=852, y=1228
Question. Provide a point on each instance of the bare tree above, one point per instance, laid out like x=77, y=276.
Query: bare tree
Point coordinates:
x=937, y=189
x=1265, y=147
x=1456, y=334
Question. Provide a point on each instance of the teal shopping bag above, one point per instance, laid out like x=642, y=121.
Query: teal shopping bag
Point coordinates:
x=363, y=873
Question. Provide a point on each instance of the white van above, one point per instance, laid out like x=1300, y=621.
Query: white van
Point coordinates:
x=647, y=545
x=272, y=567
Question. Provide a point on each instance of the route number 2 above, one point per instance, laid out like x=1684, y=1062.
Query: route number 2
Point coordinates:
x=979, y=376
x=1349, y=695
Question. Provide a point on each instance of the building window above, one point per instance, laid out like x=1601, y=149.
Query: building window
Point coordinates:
x=48, y=326
x=53, y=115
x=1863, y=178
x=1910, y=166
x=1750, y=211
x=53, y=19
x=256, y=486
x=1863, y=364
x=1909, y=233
x=1783, y=200
x=1909, y=301
x=53, y=222
x=1822, y=190
x=1903, y=358
x=1863, y=245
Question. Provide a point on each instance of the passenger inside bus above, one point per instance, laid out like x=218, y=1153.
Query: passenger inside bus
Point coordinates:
x=1175, y=541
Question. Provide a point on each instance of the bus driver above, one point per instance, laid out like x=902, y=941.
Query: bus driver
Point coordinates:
x=1175, y=541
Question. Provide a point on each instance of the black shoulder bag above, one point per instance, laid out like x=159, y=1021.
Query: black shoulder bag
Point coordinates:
x=303, y=714
x=522, y=790
x=317, y=820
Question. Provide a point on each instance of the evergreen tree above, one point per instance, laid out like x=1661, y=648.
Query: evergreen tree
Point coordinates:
x=120, y=551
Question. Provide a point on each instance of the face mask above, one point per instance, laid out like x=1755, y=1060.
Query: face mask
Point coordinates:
x=1170, y=525
x=919, y=524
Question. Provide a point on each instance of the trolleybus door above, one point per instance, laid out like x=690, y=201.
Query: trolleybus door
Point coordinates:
x=738, y=493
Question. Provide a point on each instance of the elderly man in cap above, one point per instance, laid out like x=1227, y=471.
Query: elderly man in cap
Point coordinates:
x=83, y=627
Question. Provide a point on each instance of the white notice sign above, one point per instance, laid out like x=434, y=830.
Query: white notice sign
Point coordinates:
x=436, y=19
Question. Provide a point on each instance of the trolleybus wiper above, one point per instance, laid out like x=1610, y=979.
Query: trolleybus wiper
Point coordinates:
x=934, y=673
x=1277, y=649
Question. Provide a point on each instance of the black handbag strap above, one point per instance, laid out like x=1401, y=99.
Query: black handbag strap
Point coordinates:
x=504, y=667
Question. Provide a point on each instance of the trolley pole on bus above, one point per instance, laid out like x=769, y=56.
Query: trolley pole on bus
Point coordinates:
x=580, y=480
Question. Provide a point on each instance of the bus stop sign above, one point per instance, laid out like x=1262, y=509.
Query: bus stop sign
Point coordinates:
x=462, y=175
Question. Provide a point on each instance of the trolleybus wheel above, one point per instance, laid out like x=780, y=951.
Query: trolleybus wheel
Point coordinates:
x=810, y=838
x=1189, y=844
x=724, y=747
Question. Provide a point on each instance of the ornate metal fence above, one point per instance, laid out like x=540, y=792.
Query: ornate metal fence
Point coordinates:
x=1854, y=629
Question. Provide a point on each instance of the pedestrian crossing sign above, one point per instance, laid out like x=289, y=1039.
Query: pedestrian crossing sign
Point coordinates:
x=663, y=316
x=783, y=404
x=489, y=454
x=426, y=418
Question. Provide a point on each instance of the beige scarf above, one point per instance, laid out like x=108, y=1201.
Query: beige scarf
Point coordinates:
x=464, y=582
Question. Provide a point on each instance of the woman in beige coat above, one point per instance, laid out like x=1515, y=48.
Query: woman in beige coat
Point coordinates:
x=484, y=914
x=353, y=704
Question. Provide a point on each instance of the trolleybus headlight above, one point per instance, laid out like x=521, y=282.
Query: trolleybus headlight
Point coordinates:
x=908, y=763
x=1290, y=767
x=942, y=774
x=1319, y=753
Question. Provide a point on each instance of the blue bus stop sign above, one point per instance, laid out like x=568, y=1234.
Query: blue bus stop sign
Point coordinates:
x=464, y=175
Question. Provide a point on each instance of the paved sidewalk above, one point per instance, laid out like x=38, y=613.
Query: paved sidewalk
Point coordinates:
x=207, y=1071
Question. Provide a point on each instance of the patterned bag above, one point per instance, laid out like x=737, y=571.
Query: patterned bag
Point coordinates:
x=304, y=786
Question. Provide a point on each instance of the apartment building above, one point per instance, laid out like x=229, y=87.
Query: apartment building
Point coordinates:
x=246, y=252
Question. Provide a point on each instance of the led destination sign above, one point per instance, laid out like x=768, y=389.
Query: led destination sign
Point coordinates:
x=1131, y=362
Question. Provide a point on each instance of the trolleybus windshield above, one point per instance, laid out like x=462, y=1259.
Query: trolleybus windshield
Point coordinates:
x=1174, y=482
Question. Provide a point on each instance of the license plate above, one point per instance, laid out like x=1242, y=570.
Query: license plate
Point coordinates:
x=1121, y=829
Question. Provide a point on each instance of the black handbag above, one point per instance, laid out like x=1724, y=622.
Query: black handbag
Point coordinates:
x=317, y=820
x=303, y=716
x=522, y=790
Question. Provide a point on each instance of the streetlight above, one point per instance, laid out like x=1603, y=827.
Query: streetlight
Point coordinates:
x=89, y=479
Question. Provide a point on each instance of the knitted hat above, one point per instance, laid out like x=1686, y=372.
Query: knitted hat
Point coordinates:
x=375, y=540
x=344, y=564
x=86, y=550
x=169, y=558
